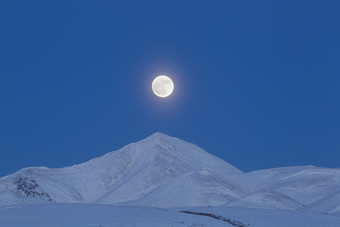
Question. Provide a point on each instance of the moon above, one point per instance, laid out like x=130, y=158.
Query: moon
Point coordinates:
x=162, y=86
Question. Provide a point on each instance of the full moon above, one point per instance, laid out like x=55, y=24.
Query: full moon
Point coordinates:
x=162, y=86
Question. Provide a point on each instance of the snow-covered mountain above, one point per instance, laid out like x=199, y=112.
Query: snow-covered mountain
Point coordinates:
x=292, y=188
x=159, y=167
x=162, y=171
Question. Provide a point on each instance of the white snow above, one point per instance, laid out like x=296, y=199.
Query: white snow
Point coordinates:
x=91, y=215
x=94, y=215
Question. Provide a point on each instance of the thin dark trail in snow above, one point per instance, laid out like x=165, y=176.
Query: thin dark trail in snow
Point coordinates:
x=218, y=217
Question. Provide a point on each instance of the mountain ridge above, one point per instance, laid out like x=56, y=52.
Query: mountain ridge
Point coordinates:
x=163, y=171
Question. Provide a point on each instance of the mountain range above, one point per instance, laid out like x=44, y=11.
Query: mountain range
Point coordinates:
x=163, y=171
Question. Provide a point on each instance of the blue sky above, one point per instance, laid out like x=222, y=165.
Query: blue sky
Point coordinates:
x=257, y=83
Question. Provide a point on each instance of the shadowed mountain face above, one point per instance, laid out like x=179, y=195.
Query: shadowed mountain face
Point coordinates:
x=163, y=171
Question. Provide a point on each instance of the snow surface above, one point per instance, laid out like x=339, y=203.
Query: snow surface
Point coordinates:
x=94, y=215
x=91, y=215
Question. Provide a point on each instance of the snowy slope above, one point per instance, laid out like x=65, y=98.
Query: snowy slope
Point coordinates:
x=291, y=188
x=198, y=188
x=266, y=200
x=328, y=204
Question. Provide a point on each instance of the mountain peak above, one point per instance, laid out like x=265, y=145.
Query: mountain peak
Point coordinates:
x=158, y=136
x=159, y=140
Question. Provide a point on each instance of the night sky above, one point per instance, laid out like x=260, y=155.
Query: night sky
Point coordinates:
x=257, y=83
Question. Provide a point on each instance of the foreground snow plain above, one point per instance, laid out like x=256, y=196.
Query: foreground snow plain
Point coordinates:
x=95, y=215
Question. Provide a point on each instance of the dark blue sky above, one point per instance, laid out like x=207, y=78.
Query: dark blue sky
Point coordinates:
x=257, y=83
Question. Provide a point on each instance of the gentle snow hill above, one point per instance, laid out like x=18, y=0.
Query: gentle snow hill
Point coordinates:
x=304, y=187
x=162, y=171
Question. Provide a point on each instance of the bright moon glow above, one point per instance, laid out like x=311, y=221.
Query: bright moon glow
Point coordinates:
x=162, y=86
